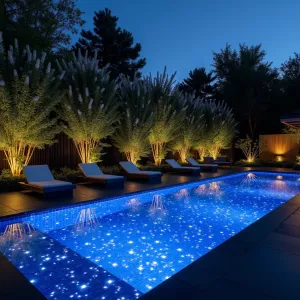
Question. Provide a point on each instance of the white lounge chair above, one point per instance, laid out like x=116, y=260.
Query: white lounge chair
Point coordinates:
x=176, y=167
x=40, y=179
x=133, y=172
x=93, y=173
x=209, y=167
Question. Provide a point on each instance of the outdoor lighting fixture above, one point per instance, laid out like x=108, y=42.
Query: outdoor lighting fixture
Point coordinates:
x=279, y=177
x=279, y=157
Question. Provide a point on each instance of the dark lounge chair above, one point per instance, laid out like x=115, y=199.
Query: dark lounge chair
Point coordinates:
x=222, y=161
x=204, y=167
x=92, y=173
x=40, y=179
x=177, y=168
x=134, y=173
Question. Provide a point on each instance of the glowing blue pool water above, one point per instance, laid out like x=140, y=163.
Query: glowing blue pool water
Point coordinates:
x=122, y=248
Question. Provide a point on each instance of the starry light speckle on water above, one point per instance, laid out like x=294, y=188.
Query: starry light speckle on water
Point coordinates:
x=122, y=248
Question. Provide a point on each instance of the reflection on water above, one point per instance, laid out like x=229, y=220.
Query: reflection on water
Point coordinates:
x=86, y=219
x=279, y=185
x=157, y=207
x=17, y=231
x=201, y=189
x=250, y=178
x=182, y=194
x=214, y=188
x=133, y=203
x=209, y=189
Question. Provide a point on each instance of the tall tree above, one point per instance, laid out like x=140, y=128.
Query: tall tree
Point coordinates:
x=115, y=46
x=46, y=24
x=291, y=82
x=199, y=82
x=249, y=85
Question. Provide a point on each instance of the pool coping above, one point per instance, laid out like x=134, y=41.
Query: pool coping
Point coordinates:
x=59, y=207
x=245, y=239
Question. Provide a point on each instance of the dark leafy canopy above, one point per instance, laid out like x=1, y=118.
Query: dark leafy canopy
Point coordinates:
x=291, y=83
x=46, y=24
x=200, y=83
x=115, y=46
x=249, y=85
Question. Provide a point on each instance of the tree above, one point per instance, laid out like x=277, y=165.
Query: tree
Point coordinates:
x=115, y=46
x=167, y=120
x=46, y=24
x=90, y=109
x=132, y=137
x=290, y=82
x=248, y=84
x=200, y=83
x=29, y=92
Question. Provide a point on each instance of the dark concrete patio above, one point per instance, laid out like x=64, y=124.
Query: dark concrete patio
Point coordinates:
x=18, y=202
x=260, y=262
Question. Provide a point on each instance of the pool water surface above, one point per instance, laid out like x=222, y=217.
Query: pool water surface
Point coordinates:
x=122, y=248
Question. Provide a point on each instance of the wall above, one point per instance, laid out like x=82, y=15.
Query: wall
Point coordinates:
x=279, y=144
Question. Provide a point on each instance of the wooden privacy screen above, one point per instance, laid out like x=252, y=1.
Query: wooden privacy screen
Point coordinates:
x=279, y=144
x=60, y=154
x=63, y=153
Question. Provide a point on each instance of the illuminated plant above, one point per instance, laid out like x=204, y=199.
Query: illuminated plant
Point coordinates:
x=251, y=149
x=131, y=138
x=189, y=136
x=90, y=107
x=29, y=92
x=218, y=130
x=167, y=120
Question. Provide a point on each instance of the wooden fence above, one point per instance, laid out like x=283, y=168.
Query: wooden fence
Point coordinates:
x=63, y=153
x=282, y=145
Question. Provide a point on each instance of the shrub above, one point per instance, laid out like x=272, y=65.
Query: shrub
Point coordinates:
x=89, y=111
x=131, y=138
x=219, y=128
x=251, y=149
x=191, y=127
x=167, y=120
x=29, y=92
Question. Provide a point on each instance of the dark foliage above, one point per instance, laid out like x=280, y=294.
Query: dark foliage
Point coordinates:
x=291, y=84
x=45, y=24
x=251, y=86
x=115, y=46
x=201, y=83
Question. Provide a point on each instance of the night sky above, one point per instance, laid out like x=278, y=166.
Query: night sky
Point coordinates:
x=182, y=34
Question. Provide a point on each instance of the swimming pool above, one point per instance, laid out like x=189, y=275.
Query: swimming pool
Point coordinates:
x=122, y=248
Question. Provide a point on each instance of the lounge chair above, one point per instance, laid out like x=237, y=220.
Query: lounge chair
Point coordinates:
x=132, y=172
x=93, y=173
x=176, y=167
x=207, y=167
x=40, y=179
x=222, y=161
x=208, y=160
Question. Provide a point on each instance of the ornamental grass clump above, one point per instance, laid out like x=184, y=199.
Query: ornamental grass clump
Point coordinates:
x=192, y=125
x=131, y=138
x=219, y=128
x=167, y=119
x=29, y=93
x=90, y=110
